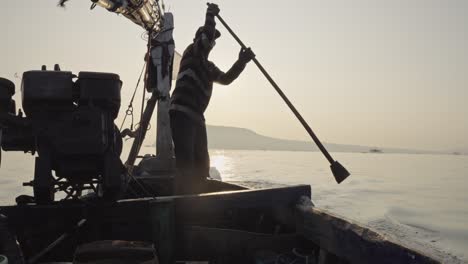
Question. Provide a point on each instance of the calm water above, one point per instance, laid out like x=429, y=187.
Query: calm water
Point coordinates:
x=418, y=199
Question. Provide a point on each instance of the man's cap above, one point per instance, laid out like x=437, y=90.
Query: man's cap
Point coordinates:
x=208, y=32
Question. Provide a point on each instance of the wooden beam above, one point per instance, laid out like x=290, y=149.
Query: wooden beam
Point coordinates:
x=351, y=241
x=220, y=186
x=209, y=204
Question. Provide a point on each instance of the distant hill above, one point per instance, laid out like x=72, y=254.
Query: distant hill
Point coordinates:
x=221, y=137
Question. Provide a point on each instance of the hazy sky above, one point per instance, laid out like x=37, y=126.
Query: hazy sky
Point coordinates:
x=368, y=72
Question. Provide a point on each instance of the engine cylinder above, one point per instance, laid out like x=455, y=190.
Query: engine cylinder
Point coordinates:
x=101, y=90
x=47, y=91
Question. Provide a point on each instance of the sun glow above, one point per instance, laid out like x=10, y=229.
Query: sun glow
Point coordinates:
x=218, y=161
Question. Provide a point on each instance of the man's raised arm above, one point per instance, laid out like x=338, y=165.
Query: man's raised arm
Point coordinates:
x=245, y=55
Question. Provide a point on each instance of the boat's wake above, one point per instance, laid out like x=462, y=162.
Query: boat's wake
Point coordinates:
x=415, y=236
x=402, y=225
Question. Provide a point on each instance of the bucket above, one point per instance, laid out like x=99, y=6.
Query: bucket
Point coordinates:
x=3, y=260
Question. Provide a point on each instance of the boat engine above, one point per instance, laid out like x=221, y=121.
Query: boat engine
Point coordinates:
x=70, y=124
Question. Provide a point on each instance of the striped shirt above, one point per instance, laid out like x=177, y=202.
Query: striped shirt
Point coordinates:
x=194, y=84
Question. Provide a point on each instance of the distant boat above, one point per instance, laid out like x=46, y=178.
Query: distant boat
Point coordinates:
x=375, y=150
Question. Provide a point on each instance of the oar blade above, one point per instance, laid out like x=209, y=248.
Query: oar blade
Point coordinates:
x=339, y=172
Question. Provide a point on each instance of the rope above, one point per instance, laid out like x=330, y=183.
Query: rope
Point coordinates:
x=129, y=111
x=147, y=63
x=141, y=186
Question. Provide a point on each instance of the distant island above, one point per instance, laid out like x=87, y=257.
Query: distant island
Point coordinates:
x=234, y=138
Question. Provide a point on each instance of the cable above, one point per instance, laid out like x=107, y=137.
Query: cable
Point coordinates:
x=142, y=186
x=130, y=105
x=146, y=83
x=141, y=131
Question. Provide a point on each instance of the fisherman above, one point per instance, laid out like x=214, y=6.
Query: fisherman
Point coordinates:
x=190, y=99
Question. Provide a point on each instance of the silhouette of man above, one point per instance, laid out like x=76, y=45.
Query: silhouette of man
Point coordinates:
x=190, y=99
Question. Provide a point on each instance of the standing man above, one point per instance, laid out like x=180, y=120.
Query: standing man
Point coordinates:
x=190, y=100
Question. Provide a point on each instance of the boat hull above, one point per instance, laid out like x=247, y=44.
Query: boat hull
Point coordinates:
x=230, y=226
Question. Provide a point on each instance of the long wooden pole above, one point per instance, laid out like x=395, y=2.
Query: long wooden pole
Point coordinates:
x=336, y=167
